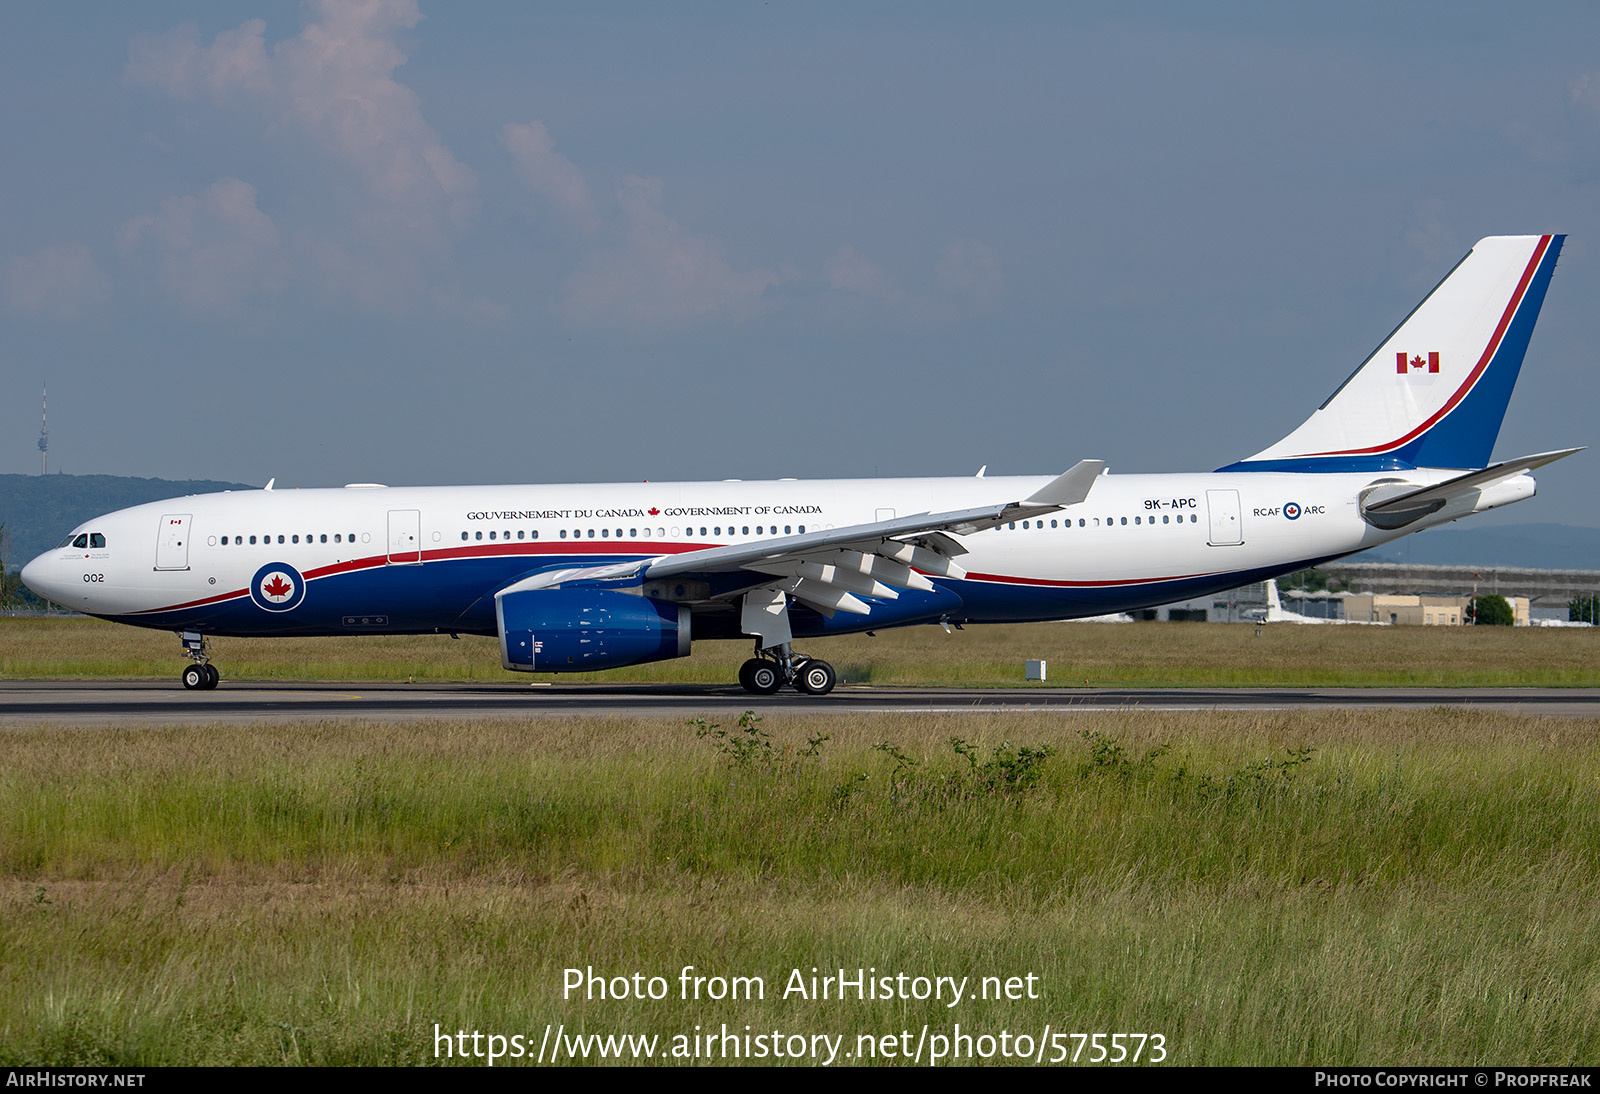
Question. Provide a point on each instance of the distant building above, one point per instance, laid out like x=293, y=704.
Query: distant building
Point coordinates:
x=1249, y=605
x=1423, y=611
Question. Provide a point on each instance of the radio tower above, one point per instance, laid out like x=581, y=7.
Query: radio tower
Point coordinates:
x=44, y=431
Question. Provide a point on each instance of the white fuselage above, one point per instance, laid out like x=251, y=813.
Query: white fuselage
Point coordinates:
x=380, y=559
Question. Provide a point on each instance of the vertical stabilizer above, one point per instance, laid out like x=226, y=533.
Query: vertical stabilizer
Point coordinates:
x=1435, y=392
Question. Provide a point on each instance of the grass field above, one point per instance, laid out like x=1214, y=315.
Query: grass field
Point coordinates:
x=1079, y=654
x=1315, y=888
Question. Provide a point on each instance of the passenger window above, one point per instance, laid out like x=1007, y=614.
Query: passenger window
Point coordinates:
x=591, y=533
x=786, y=529
x=563, y=533
x=605, y=533
x=296, y=539
x=619, y=533
x=536, y=533
x=1164, y=520
x=702, y=531
x=1082, y=523
x=477, y=535
x=1136, y=520
x=1124, y=520
x=252, y=541
x=324, y=538
x=746, y=531
x=491, y=534
x=463, y=538
x=520, y=533
x=647, y=533
x=802, y=529
x=280, y=539
x=1052, y=524
x=633, y=533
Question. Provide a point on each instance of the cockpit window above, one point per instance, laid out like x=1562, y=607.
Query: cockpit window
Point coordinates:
x=81, y=541
x=96, y=539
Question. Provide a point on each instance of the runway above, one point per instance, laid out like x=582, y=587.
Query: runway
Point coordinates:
x=152, y=702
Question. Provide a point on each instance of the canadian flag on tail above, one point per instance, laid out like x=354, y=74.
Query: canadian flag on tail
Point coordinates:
x=1406, y=364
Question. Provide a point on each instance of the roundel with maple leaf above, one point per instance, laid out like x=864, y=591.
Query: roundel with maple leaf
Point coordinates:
x=277, y=587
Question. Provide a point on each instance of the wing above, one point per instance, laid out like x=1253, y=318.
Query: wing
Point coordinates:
x=831, y=570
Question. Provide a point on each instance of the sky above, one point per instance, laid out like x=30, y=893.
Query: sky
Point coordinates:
x=404, y=242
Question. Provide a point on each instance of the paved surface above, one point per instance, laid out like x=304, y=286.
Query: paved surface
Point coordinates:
x=80, y=702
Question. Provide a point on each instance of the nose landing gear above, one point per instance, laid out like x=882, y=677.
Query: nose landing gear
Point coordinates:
x=770, y=669
x=202, y=675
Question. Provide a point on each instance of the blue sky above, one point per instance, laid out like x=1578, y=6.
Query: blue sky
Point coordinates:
x=384, y=242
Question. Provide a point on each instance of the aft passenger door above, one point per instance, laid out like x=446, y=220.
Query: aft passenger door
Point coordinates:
x=405, y=537
x=172, y=542
x=1227, y=530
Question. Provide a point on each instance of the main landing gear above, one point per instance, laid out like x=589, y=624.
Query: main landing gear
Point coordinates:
x=770, y=669
x=202, y=675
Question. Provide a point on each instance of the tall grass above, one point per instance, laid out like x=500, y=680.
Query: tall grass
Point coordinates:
x=1079, y=654
x=1375, y=887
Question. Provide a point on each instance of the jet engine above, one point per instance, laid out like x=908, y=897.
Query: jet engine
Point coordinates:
x=585, y=629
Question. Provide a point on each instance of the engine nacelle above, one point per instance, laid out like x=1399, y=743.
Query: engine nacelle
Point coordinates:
x=581, y=630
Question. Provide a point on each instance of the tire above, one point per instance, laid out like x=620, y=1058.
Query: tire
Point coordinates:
x=760, y=677
x=195, y=677
x=816, y=677
x=212, y=677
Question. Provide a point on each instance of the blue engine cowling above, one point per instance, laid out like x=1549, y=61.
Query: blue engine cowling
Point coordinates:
x=584, y=629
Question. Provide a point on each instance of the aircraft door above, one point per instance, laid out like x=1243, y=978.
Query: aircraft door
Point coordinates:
x=172, y=542
x=1227, y=530
x=405, y=537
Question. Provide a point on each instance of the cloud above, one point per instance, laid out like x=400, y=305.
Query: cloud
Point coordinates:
x=970, y=269
x=661, y=272
x=549, y=174
x=849, y=270
x=334, y=83
x=212, y=251
x=1584, y=94
x=56, y=282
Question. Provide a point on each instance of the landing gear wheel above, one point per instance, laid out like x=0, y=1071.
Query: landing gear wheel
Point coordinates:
x=195, y=677
x=760, y=676
x=816, y=677
x=212, y=677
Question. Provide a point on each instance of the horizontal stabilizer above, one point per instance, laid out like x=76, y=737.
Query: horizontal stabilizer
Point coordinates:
x=1450, y=487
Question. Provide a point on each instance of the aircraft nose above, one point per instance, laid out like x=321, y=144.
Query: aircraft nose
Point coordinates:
x=34, y=576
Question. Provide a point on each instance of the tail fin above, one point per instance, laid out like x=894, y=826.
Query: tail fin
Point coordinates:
x=1435, y=392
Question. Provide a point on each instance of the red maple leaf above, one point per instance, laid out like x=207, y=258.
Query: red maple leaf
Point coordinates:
x=277, y=586
x=654, y=511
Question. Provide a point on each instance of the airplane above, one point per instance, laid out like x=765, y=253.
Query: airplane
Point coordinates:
x=581, y=577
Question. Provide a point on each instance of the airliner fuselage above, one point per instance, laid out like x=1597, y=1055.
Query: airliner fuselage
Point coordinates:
x=593, y=576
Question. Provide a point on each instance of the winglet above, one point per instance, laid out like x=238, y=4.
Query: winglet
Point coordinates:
x=1070, y=487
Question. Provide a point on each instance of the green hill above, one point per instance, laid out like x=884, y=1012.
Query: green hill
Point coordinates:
x=37, y=510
